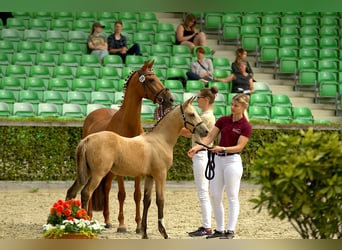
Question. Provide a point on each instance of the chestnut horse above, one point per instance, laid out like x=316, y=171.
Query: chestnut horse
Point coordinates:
x=126, y=121
x=149, y=154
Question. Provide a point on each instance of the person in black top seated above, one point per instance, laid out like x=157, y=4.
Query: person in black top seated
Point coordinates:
x=117, y=44
x=241, y=55
x=187, y=34
x=242, y=81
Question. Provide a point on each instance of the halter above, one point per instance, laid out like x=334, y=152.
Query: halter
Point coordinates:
x=190, y=123
x=142, y=79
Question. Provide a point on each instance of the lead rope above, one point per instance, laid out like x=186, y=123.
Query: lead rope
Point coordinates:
x=210, y=168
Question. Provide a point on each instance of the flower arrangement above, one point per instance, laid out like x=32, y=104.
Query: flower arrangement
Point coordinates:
x=67, y=217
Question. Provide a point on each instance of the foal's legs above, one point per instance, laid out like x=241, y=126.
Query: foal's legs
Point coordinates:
x=147, y=202
x=137, y=199
x=121, y=198
x=160, y=186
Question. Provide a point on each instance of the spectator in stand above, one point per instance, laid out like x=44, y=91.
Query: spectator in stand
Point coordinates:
x=241, y=55
x=97, y=43
x=202, y=68
x=117, y=43
x=187, y=34
x=242, y=81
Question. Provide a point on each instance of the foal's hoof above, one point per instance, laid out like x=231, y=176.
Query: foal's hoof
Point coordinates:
x=108, y=225
x=138, y=230
x=122, y=230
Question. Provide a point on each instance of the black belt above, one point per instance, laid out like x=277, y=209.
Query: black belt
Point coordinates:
x=226, y=154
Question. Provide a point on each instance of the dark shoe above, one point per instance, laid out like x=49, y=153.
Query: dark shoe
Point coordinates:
x=201, y=231
x=228, y=235
x=216, y=234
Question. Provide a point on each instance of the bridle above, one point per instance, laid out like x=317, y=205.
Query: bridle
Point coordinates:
x=157, y=98
x=187, y=122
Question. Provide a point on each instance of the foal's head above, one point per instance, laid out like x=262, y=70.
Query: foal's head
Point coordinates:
x=192, y=120
x=149, y=86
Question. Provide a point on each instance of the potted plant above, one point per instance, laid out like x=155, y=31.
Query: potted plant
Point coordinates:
x=67, y=220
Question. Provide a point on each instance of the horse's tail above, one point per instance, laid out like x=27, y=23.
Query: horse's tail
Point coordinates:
x=98, y=196
x=81, y=162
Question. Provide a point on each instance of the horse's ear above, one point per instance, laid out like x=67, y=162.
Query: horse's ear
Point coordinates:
x=145, y=66
x=150, y=65
x=190, y=100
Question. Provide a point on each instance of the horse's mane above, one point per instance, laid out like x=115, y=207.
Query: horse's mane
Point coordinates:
x=164, y=115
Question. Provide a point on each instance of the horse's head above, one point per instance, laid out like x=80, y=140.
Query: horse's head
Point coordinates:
x=192, y=120
x=151, y=87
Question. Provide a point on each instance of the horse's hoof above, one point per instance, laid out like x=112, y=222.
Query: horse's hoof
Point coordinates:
x=138, y=231
x=122, y=230
x=144, y=237
x=108, y=225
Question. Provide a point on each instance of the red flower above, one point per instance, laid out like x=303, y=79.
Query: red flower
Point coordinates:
x=71, y=218
x=76, y=202
x=67, y=212
x=60, y=209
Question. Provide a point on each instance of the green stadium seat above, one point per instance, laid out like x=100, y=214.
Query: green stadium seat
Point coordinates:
x=48, y=110
x=164, y=39
x=82, y=25
x=289, y=30
x=22, y=14
x=172, y=73
x=308, y=31
x=329, y=21
x=61, y=25
x=270, y=20
x=106, y=85
x=46, y=59
x=302, y=113
x=268, y=41
x=251, y=20
x=282, y=100
x=223, y=87
x=230, y=34
x=146, y=27
x=134, y=62
x=7, y=47
x=257, y=99
x=118, y=97
x=166, y=28
x=30, y=96
x=175, y=86
x=147, y=112
x=129, y=28
x=143, y=38
x=38, y=24
x=309, y=53
x=160, y=61
x=16, y=23
x=5, y=59
x=126, y=72
x=327, y=92
x=107, y=16
x=89, y=72
x=104, y=98
x=221, y=99
x=40, y=71
x=327, y=31
x=309, y=21
x=161, y=50
x=12, y=35
x=46, y=15
x=113, y=61
x=23, y=109
x=5, y=110
x=77, y=97
x=262, y=88
x=56, y=36
x=250, y=43
x=219, y=111
x=72, y=110
x=93, y=106
x=64, y=15
x=107, y=72
x=63, y=71
x=194, y=85
x=308, y=42
x=16, y=71
x=289, y=42
x=51, y=48
x=329, y=42
x=75, y=48
x=34, y=83
x=282, y=113
x=147, y=17
x=86, y=15
x=11, y=83
x=268, y=57
x=221, y=63
x=181, y=50
x=83, y=85
x=34, y=35
x=8, y=96
x=212, y=22
x=307, y=75
x=328, y=65
x=128, y=16
x=269, y=30
x=259, y=113
x=28, y=47
x=221, y=73
x=22, y=59
x=286, y=68
x=90, y=61
x=179, y=62
x=52, y=96
x=77, y=36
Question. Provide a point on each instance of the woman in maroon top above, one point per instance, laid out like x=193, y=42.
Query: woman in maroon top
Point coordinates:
x=235, y=131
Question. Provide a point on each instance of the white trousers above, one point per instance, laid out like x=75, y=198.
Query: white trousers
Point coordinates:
x=228, y=173
x=199, y=161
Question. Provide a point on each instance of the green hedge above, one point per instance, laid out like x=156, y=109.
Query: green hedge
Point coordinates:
x=47, y=153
